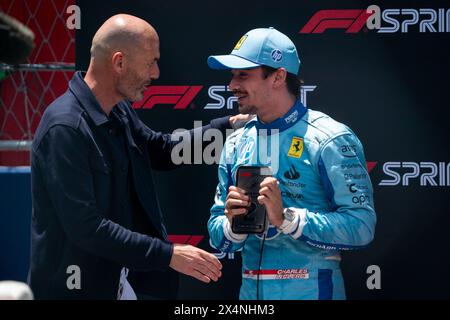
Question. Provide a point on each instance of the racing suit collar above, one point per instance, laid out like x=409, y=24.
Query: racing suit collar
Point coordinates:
x=294, y=114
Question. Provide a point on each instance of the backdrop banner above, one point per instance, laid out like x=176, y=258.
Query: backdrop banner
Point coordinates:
x=385, y=75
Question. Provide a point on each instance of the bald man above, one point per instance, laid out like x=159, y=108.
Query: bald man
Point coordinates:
x=97, y=229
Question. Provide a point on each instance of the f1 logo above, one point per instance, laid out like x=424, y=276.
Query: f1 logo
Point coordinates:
x=180, y=96
x=353, y=20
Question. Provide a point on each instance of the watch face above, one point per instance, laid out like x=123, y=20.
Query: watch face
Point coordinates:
x=289, y=215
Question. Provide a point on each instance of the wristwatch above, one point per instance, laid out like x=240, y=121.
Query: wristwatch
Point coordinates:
x=289, y=216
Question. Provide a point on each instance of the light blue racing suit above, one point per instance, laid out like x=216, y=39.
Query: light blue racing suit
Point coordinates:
x=321, y=168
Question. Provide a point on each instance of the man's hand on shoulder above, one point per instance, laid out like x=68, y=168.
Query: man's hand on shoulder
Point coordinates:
x=239, y=120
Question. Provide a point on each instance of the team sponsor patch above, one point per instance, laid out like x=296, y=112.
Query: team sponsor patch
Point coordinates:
x=292, y=117
x=348, y=151
x=277, y=274
x=276, y=55
x=296, y=148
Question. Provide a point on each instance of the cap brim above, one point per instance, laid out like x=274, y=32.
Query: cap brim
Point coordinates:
x=230, y=62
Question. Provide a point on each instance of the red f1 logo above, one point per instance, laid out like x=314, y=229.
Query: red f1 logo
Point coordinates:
x=193, y=240
x=352, y=20
x=180, y=96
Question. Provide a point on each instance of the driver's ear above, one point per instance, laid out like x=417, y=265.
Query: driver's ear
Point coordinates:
x=280, y=77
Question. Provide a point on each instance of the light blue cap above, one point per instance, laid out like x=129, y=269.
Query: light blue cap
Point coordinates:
x=262, y=46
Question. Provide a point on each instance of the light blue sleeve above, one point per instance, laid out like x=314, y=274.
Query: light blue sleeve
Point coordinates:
x=220, y=239
x=351, y=222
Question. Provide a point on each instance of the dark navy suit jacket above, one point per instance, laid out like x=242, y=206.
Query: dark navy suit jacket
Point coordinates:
x=94, y=203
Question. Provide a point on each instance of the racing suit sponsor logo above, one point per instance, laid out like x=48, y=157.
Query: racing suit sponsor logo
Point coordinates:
x=361, y=200
x=292, y=173
x=348, y=151
x=290, y=195
x=296, y=148
x=292, y=117
x=277, y=274
x=292, y=184
x=355, y=176
x=353, y=187
x=349, y=166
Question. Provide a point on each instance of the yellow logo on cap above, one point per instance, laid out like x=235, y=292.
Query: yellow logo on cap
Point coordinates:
x=240, y=42
x=296, y=148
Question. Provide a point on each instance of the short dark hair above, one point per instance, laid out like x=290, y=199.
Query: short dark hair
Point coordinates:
x=294, y=83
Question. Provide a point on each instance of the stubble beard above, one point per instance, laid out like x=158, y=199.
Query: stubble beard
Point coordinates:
x=247, y=109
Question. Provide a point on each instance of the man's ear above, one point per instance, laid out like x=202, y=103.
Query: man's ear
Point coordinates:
x=280, y=77
x=117, y=62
